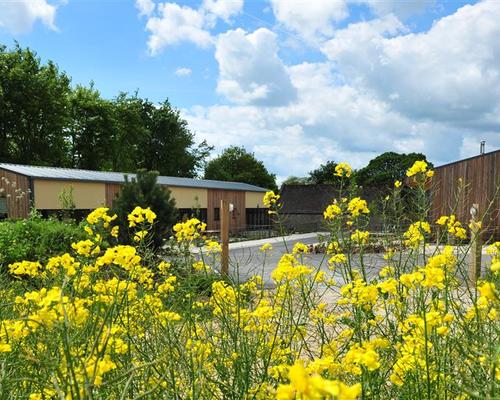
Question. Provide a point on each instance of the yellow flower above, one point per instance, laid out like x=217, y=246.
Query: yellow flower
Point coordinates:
x=416, y=168
x=397, y=184
x=343, y=169
x=300, y=248
x=360, y=237
x=266, y=247
x=332, y=211
x=190, y=230
x=139, y=236
x=270, y=199
x=140, y=215
x=357, y=206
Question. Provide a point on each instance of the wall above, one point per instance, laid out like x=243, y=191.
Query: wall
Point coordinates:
x=481, y=176
x=189, y=197
x=237, y=198
x=86, y=195
x=16, y=192
x=254, y=199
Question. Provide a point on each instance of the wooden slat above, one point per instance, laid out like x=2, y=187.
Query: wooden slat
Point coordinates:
x=112, y=191
x=17, y=191
x=481, y=175
x=238, y=216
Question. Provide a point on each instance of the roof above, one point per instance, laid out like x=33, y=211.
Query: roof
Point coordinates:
x=119, y=177
x=307, y=199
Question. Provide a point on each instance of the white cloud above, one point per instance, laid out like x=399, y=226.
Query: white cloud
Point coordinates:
x=250, y=71
x=19, y=16
x=450, y=74
x=310, y=18
x=175, y=24
x=145, y=7
x=183, y=71
x=224, y=9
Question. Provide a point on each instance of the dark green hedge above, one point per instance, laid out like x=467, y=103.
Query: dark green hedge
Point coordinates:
x=36, y=239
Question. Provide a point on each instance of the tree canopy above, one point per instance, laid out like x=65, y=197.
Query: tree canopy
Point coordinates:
x=386, y=168
x=324, y=174
x=237, y=165
x=46, y=121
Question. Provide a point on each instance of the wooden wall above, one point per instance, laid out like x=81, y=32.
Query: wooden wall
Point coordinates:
x=238, y=219
x=18, y=193
x=481, y=177
x=112, y=191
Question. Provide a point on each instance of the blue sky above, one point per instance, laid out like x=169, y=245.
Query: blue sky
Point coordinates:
x=296, y=82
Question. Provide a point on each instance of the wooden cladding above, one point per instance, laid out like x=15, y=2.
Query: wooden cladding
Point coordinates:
x=17, y=193
x=480, y=178
x=238, y=216
x=112, y=191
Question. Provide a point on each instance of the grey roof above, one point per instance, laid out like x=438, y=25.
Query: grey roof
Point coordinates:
x=118, y=177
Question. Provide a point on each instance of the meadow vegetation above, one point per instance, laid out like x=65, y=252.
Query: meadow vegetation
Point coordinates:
x=111, y=321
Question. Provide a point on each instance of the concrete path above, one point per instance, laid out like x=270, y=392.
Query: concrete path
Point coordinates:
x=246, y=259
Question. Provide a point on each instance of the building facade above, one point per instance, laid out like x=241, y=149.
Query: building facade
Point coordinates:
x=23, y=187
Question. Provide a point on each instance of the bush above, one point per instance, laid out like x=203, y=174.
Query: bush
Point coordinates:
x=35, y=239
x=144, y=191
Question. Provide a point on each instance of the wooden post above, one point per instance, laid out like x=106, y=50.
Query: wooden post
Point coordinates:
x=224, y=235
x=476, y=246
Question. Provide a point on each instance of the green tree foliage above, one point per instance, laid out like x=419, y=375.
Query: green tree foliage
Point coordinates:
x=91, y=129
x=44, y=121
x=34, y=101
x=144, y=191
x=296, y=180
x=383, y=170
x=324, y=174
x=237, y=165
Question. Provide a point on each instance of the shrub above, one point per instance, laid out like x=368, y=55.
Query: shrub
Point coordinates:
x=144, y=191
x=35, y=239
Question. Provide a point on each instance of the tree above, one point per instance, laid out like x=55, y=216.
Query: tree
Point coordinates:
x=144, y=191
x=296, y=180
x=168, y=145
x=33, y=109
x=386, y=168
x=237, y=165
x=324, y=174
x=91, y=130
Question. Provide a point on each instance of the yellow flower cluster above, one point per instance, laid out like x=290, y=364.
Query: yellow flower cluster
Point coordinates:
x=416, y=233
x=314, y=387
x=123, y=324
x=190, y=230
x=357, y=206
x=100, y=215
x=419, y=167
x=140, y=215
x=271, y=199
x=454, y=227
x=343, y=169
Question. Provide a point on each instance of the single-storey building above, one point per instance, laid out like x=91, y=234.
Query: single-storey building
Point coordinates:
x=26, y=186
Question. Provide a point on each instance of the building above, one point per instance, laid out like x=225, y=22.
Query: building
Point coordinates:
x=24, y=186
x=476, y=180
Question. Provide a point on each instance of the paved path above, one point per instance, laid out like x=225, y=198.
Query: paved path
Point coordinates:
x=246, y=259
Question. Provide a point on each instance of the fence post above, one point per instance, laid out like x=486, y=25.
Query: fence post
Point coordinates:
x=224, y=235
x=476, y=246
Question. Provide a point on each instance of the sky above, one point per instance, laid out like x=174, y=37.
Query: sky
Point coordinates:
x=297, y=82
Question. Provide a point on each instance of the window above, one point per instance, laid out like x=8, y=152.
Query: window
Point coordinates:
x=3, y=207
